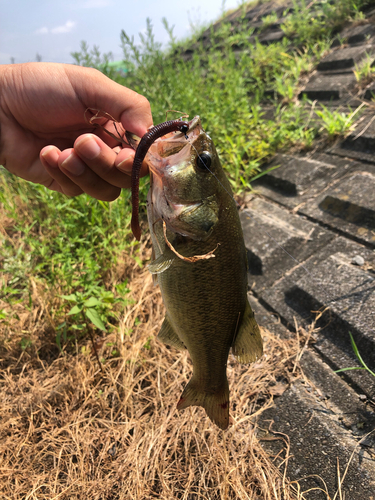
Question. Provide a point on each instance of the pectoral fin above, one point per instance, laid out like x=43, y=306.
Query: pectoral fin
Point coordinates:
x=162, y=263
x=248, y=345
x=169, y=336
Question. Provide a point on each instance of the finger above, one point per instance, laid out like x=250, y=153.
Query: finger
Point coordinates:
x=100, y=158
x=124, y=162
x=91, y=183
x=60, y=182
x=112, y=133
x=131, y=109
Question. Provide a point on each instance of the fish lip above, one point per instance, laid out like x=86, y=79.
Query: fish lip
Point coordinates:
x=159, y=163
x=178, y=208
x=196, y=121
x=193, y=124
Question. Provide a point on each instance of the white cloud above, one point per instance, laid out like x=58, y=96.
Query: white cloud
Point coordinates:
x=65, y=28
x=42, y=31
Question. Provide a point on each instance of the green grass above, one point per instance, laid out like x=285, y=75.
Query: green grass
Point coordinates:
x=365, y=72
x=72, y=247
x=359, y=358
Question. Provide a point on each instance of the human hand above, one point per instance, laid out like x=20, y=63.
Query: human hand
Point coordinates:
x=46, y=139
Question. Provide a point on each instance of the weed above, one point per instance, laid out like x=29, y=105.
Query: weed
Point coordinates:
x=335, y=123
x=308, y=23
x=70, y=245
x=25, y=343
x=269, y=20
x=365, y=72
x=359, y=357
x=92, y=58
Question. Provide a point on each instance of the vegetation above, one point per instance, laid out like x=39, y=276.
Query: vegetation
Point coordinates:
x=73, y=245
x=365, y=72
x=70, y=267
x=359, y=358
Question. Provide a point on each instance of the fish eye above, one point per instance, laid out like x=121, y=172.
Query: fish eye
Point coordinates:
x=203, y=161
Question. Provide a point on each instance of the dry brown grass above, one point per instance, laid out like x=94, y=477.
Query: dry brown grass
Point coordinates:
x=69, y=431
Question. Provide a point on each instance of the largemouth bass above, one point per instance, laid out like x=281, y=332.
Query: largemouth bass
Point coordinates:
x=200, y=264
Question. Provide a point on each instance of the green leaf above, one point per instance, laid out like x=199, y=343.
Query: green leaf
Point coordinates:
x=107, y=297
x=350, y=368
x=25, y=343
x=104, y=205
x=75, y=310
x=71, y=298
x=78, y=327
x=359, y=357
x=94, y=317
x=92, y=302
x=355, y=349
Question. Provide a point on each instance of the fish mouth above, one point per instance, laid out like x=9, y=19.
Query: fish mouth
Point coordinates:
x=173, y=149
x=170, y=162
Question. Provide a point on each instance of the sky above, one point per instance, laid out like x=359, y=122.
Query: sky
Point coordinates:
x=51, y=29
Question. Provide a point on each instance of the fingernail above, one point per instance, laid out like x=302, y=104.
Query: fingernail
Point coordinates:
x=48, y=156
x=126, y=165
x=88, y=148
x=73, y=165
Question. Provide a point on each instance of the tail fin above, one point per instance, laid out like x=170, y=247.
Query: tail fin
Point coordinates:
x=216, y=405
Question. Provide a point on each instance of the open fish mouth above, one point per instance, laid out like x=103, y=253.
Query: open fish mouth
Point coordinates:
x=173, y=149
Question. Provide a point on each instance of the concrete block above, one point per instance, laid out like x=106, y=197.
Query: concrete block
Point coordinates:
x=328, y=87
x=330, y=281
x=360, y=144
x=370, y=92
x=299, y=178
x=346, y=58
x=267, y=228
x=355, y=34
x=348, y=205
x=271, y=37
x=317, y=438
x=323, y=418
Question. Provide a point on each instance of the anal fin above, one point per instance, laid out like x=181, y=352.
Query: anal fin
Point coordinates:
x=248, y=345
x=169, y=336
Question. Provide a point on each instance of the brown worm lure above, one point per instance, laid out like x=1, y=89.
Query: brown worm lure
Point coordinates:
x=143, y=146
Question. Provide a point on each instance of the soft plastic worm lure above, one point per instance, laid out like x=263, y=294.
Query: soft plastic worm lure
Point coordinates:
x=143, y=146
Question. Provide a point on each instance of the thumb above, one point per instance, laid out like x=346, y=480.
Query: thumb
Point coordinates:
x=126, y=106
